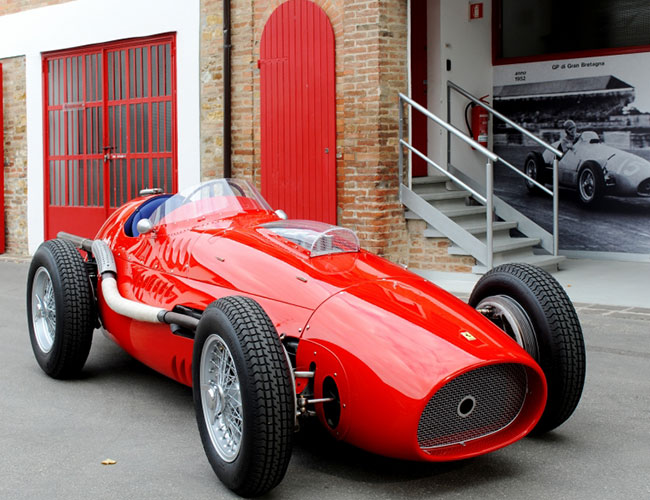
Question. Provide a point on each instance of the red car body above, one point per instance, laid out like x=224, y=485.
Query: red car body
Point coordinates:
x=387, y=338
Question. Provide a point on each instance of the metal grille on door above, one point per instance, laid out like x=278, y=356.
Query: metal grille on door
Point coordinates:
x=110, y=129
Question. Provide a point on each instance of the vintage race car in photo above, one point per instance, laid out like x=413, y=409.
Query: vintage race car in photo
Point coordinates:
x=272, y=321
x=593, y=169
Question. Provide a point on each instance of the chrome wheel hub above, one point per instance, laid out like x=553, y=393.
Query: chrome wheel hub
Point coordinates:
x=587, y=184
x=531, y=171
x=221, y=398
x=508, y=315
x=43, y=310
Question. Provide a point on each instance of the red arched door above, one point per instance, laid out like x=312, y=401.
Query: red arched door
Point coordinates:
x=298, y=112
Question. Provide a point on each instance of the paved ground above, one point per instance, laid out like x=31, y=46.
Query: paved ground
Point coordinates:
x=53, y=435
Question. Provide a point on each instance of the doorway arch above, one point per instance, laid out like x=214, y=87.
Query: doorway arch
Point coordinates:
x=297, y=111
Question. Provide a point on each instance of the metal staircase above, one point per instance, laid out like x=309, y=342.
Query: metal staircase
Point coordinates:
x=476, y=222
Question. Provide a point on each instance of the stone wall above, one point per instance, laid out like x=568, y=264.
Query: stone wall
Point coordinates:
x=15, y=154
x=13, y=6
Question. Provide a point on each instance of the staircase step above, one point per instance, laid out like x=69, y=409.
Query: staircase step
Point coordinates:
x=548, y=262
x=440, y=187
x=500, y=246
x=461, y=211
x=429, y=179
x=474, y=227
x=445, y=195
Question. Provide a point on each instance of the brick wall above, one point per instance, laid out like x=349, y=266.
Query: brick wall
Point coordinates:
x=374, y=66
x=370, y=44
x=431, y=253
x=13, y=6
x=211, y=89
x=15, y=161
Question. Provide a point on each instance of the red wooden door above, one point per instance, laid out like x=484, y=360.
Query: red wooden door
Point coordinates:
x=2, y=170
x=297, y=90
x=110, y=130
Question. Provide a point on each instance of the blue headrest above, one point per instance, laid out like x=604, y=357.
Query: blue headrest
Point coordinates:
x=144, y=211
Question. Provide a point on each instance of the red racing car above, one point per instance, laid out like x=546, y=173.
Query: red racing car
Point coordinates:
x=272, y=320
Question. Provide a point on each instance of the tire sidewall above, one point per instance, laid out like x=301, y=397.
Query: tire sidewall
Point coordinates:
x=43, y=257
x=599, y=184
x=557, y=330
x=232, y=474
x=540, y=170
x=507, y=284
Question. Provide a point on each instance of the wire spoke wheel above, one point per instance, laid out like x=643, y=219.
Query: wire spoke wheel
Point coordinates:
x=531, y=171
x=61, y=313
x=43, y=309
x=221, y=398
x=243, y=395
x=587, y=184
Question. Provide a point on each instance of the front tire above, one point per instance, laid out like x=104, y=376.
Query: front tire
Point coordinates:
x=60, y=309
x=591, y=185
x=532, y=307
x=535, y=168
x=243, y=396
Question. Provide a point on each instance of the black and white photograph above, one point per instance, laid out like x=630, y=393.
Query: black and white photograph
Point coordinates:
x=596, y=112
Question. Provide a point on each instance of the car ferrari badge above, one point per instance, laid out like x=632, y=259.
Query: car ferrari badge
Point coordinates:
x=468, y=336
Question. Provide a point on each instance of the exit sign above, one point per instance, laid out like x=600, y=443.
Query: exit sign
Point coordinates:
x=475, y=11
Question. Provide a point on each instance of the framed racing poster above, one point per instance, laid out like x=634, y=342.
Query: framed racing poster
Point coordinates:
x=597, y=111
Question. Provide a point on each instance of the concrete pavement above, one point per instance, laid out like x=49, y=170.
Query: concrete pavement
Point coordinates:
x=54, y=435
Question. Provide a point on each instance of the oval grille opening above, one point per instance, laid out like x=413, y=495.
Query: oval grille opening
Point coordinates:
x=475, y=404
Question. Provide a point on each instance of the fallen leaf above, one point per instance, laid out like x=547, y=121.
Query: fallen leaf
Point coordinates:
x=108, y=461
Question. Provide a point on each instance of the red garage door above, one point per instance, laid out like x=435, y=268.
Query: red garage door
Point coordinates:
x=110, y=129
x=298, y=112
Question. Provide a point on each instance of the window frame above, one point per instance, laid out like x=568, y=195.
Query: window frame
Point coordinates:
x=497, y=60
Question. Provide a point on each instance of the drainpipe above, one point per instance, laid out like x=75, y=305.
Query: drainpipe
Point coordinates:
x=227, y=97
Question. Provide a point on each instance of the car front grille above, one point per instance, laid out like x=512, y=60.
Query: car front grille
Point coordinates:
x=475, y=404
x=644, y=188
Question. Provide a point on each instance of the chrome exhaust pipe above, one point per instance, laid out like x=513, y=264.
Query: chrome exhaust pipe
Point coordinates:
x=107, y=269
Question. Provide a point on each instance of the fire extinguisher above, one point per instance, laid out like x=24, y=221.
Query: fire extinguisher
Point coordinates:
x=478, y=128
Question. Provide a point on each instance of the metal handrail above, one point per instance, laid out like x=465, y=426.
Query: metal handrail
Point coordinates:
x=557, y=155
x=494, y=112
x=475, y=193
x=488, y=199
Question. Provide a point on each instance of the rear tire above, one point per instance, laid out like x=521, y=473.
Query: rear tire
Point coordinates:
x=243, y=396
x=61, y=312
x=532, y=307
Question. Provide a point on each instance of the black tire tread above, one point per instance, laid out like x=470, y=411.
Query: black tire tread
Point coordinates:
x=541, y=171
x=599, y=189
x=76, y=317
x=269, y=381
x=565, y=367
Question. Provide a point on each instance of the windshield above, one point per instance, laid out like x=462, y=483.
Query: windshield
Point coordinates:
x=218, y=198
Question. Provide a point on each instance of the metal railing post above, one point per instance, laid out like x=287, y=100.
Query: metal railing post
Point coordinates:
x=401, y=149
x=489, y=195
x=556, y=207
x=448, y=121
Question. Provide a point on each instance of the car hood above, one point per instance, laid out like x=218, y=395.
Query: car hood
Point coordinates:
x=254, y=262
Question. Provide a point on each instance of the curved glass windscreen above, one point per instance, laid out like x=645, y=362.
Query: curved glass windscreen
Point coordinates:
x=217, y=198
x=317, y=237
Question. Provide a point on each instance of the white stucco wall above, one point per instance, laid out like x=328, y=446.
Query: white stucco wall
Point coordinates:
x=468, y=45
x=85, y=22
